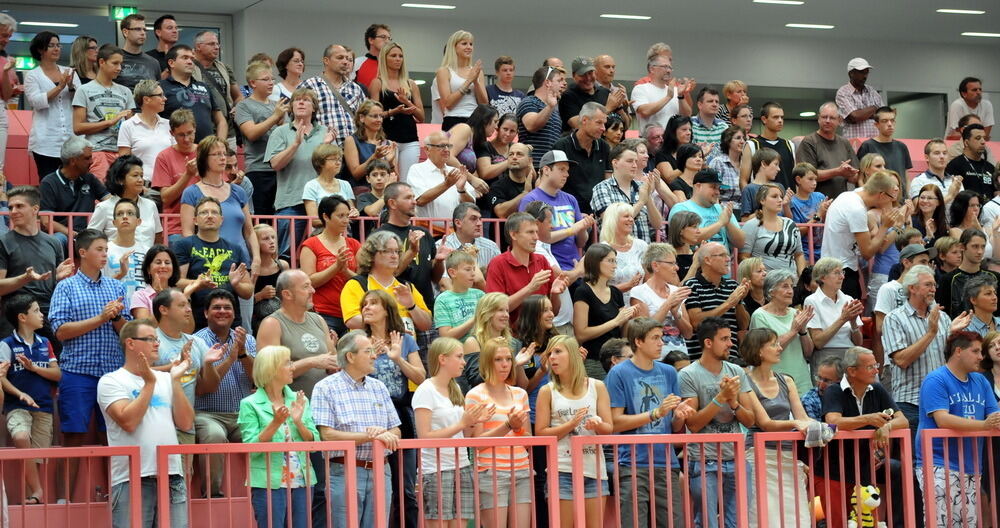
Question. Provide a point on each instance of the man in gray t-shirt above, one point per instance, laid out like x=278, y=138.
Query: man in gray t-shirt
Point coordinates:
x=721, y=393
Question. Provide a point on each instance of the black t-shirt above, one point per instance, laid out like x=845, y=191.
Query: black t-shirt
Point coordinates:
x=680, y=185
x=213, y=258
x=161, y=57
x=364, y=200
x=573, y=99
x=502, y=190
x=664, y=156
x=71, y=196
x=838, y=400
x=589, y=169
x=976, y=175
x=41, y=252
x=195, y=97
x=137, y=67
x=421, y=269
x=599, y=313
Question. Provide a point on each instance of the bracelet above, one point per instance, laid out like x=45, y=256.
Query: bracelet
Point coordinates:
x=803, y=334
x=507, y=423
x=242, y=355
x=652, y=414
x=717, y=403
x=412, y=307
x=461, y=191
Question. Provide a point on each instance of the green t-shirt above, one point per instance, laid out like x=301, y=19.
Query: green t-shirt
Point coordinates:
x=452, y=309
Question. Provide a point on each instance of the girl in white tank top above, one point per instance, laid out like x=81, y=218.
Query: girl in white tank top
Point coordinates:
x=573, y=404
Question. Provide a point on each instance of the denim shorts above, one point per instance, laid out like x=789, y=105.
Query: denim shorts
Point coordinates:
x=590, y=487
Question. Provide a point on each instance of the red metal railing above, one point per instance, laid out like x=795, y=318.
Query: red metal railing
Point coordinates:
x=971, y=514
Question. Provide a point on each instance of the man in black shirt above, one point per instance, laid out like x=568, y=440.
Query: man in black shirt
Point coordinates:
x=182, y=91
x=418, y=264
x=859, y=402
x=136, y=65
x=589, y=154
x=71, y=188
x=167, y=33
x=584, y=90
x=976, y=172
x=506, y=193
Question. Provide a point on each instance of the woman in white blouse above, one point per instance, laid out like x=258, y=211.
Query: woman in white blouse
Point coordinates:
x=146, y=134
x=836, y=322
x=49, y=89
x=616, y=231
x=125, y=180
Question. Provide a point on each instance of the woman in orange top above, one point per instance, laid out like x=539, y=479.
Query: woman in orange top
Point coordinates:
x=498, y=486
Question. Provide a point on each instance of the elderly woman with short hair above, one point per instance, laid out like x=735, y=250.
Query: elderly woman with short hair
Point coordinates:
x=836, y=322
x=790, y=325
x=664, y=297
x=275, y=413
x=146, y=133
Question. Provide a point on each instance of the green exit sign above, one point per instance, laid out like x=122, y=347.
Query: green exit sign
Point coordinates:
x=25, y=63
x=120, y=12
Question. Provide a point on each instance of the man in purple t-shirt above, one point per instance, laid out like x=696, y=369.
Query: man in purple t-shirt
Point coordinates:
x=570, y=228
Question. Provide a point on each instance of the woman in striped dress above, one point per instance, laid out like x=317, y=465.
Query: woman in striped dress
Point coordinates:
x=775, y=239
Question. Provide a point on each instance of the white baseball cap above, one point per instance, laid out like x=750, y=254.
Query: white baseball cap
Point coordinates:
x=858, y=63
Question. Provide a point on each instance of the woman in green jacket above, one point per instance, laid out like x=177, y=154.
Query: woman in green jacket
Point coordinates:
x=276, y=414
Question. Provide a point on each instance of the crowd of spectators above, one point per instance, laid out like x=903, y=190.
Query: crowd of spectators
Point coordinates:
x=612, y=303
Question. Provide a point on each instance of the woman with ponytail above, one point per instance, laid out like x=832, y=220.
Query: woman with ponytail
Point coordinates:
x=773, y=238
x=440, y=412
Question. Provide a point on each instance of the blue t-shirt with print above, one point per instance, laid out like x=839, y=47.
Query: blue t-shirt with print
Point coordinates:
x=40, y=389
x=390, y=374
x=639, y=391
x=972, y=399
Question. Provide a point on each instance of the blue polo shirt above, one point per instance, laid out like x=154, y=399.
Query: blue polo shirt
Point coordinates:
x=40, y=389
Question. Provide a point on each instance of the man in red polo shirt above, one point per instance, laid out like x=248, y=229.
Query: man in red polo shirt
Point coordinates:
x=520, y=272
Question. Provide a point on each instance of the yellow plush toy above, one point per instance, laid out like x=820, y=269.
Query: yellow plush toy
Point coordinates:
x=867, y=499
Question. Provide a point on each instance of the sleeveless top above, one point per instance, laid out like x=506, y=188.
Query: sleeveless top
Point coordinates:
x=304, y=340
x=465, y=105
x=563, y=409
x=365, y=151
x=777, y=408
x=400, y=128
x=467, y=157
x=785, y=149
x=262, y=309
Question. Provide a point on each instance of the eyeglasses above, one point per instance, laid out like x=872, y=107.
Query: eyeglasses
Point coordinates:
x=126, y=214
x=439, y=145
x=209, y=212
x=891, y=196
x=54, y=45
x=91, y=48
x=161, y=94
x=334, y=158
x=386, y=38
x=667, y=262
x=820, y=379
x=150, y=339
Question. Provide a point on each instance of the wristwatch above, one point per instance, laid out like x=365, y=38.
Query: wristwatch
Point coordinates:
x=241, y=355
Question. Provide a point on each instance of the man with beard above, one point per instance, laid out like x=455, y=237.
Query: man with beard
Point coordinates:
x=339, y=97
x=507, y=191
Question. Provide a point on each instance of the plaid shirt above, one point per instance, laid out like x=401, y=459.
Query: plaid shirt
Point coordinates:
x=729, y=191
x=813, y=404
x=235, y=385
x=608, y=192
x=488, y=249
x=331, y=113
x=901, y=328
x=79, y=298
x=343, y=404
x=850, y=99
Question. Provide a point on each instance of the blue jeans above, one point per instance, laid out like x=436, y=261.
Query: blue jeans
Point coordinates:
x=301, y=229
x=711, y=498
x=279, y=507
x=365, y=496
x=121, y=504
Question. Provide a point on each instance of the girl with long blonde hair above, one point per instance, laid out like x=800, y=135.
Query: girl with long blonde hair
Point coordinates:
x=460, y=82
x=400, y=97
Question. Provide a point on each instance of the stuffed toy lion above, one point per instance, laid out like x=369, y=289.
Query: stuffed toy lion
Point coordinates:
x=867, y=500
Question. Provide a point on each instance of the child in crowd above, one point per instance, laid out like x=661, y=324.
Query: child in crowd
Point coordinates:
x=573, y=404
x=33, y=373
x=766, y=164
x=454, y=309
x=327, y=160
x=809, y=207
x=371, y=203
x=125, y=253
x=265, y=300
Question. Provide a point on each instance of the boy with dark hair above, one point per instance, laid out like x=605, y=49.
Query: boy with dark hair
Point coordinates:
x=32, y=376
x=99, y=107
x=644, y=400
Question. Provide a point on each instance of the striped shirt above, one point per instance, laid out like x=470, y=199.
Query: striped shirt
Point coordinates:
x=235, y=385
x=501, y=458
x=78, y=298
x=900, y=329
x=331, y=113
x=702, y=133
x=541, y=140
x=850, y=99
x=609, y=192
x=778, y=248
x=707, y=296
x=339, y=402
x=488, y=249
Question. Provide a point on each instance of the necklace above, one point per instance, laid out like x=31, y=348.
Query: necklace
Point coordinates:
x=214, y=185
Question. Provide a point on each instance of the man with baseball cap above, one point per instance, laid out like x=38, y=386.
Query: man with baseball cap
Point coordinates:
x=858, y=102
x=570, y=227
x=584, y=90
x=718, y=223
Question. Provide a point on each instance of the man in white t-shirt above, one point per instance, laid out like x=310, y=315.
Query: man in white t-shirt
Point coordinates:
x=143, y=407
x=439, y=188
x=970, y=102
x=663, y=96
x=846, y=236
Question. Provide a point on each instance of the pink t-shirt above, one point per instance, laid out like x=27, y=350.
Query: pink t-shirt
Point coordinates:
x=143, y=299
x=170, y=166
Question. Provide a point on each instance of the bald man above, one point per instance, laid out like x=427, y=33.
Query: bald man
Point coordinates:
x=438, y=187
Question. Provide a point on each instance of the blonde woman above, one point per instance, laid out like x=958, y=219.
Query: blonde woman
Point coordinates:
x=439, y=411
x=274, y=413
x=492, y=320
x=870, y=164
x=616, y=231
x=400, y=97
x=504, y=472
x=460, y=82
x=368, y=143
x=572, y=404
x=774, y=238
x=753, y=269
x=83, y=58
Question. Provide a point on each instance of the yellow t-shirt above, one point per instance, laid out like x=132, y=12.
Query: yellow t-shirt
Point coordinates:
x=350, y=299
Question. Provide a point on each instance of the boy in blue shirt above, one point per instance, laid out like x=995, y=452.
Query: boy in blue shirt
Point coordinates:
x=33, y=374
x=809, y=206
x=956, y=396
